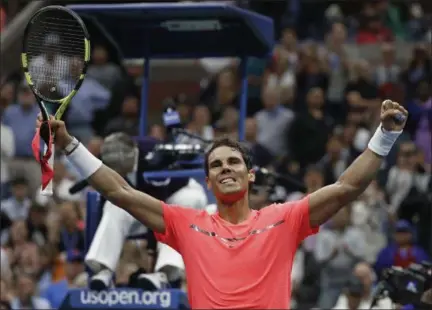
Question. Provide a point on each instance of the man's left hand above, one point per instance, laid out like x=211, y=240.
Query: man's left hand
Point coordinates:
x=390, y=110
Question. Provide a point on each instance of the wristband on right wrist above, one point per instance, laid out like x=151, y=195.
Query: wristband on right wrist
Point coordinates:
x=382, y=141
x=84, y=161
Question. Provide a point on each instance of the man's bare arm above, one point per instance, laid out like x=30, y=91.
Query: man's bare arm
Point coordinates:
x=145, y=208
x=327, y=201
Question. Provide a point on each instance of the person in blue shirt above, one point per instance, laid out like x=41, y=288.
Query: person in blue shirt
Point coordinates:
x=57, y=292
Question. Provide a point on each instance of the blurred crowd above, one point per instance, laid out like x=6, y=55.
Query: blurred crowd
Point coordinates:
x=312, y=107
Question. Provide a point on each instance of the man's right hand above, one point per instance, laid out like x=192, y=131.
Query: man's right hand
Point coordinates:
x=58, y=127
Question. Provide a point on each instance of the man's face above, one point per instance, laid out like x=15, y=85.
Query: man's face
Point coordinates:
x=227, y=171
x=26, y=286
x=20, y=191
x=26, y=97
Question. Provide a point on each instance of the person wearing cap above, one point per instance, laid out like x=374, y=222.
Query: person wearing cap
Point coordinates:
x=56, y=292
x=402, y=251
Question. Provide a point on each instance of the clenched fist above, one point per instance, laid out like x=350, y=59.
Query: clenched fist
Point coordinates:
x=393, y=116
x=61, y=137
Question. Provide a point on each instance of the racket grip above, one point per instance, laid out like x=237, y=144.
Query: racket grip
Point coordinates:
x=48, y=190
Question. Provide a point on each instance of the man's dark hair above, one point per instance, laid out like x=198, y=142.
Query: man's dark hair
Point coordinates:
x=231, y=143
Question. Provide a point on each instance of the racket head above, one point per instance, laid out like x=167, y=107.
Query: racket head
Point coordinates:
x=55, y=56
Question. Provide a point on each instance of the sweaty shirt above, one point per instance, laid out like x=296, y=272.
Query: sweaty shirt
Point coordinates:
x=246, y=265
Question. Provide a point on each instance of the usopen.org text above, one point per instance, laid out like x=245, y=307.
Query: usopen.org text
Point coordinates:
x=117, y=298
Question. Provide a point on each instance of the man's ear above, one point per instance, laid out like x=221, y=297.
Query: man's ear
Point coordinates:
x=251, y=176
x=208, y=183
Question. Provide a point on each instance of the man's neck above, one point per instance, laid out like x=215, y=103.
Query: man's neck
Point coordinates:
x=236, y=212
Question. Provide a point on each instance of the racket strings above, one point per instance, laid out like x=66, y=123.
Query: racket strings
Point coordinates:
x=56, y=53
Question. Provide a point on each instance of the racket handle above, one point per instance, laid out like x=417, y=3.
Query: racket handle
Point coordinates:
x=48, y=191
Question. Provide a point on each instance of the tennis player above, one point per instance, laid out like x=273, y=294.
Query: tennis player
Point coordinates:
x=237, y=257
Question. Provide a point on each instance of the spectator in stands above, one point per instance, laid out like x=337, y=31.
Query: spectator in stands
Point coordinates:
x=261, y=156
x=27, y=297
x=36, y=224
x=338, y=249
x=92, y=97
x=372, y=29
x=221, y=93
x=313, y=123
x=18, y=205
x=419, y=69
x=336, y=159
x=102, y=69
x=351, y=297
x=7, y=95
x=20, y=118
x=403, y=251
x=420, y=123
x=5, y=294
x=388, y=71
x=404, y=180
x=370, y=215
x=128, y=121
x=338, y=64
x=201, y=123
x=311, y=74
x=272, y=137
x=56, y=292
x=228, y=123
x=72, y=234
x=7, y=141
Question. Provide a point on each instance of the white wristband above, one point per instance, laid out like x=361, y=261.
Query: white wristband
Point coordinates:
x=382, y=141
x=84, y=161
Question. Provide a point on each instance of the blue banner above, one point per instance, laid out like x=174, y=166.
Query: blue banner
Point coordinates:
x=124, y=299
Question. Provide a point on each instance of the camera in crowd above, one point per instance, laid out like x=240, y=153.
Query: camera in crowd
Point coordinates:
x=406, y=286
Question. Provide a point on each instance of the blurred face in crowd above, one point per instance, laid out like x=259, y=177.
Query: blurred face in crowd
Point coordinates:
x=341, y=219
x=289, y=38
x=362, y=70
x=388, y=54
x=158, y=132
x=130, y=106
x=25, y=96
x=69, y=215
x=30, y=261
x=407, y=156
x=99, y=55
x=349, y=133
x=250, y=129
x=19, y=232
x=226, y=80
x=25, y=287
x=424, y=92
x=313, y=180
x=20, y=191
x=228, y=173
x=76, y=66
x=271, y=97
x=315, y=98
x=230, y=118
x=7, y=93
x=201, y=115
x=338, y=33
x=403, y=238
x=334, y=147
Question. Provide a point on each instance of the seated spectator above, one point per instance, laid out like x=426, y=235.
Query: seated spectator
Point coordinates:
x=313, y=123
x=272, y=137
x=338, y=249
x=26, y=294
x=56, y=292
x=351, y=298
x=419, y=69
x=102, y=69
x=372, y=30
x=335, y=161
x=72, y=234
x=402, y=251
x=201, y=123
x=128, y=121
x=388, y=71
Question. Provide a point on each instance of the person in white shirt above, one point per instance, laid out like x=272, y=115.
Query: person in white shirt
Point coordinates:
x=7, y=151
x=365, y=275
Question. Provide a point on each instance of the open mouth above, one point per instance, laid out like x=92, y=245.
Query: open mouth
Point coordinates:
x=227, y=180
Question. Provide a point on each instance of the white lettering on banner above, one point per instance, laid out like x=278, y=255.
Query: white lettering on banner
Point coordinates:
x=119, y=298
x=192, y=25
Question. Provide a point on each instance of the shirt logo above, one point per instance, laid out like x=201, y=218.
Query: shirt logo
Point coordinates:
x=235, y=239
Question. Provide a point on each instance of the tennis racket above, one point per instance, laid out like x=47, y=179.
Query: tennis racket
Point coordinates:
x=55, y=57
